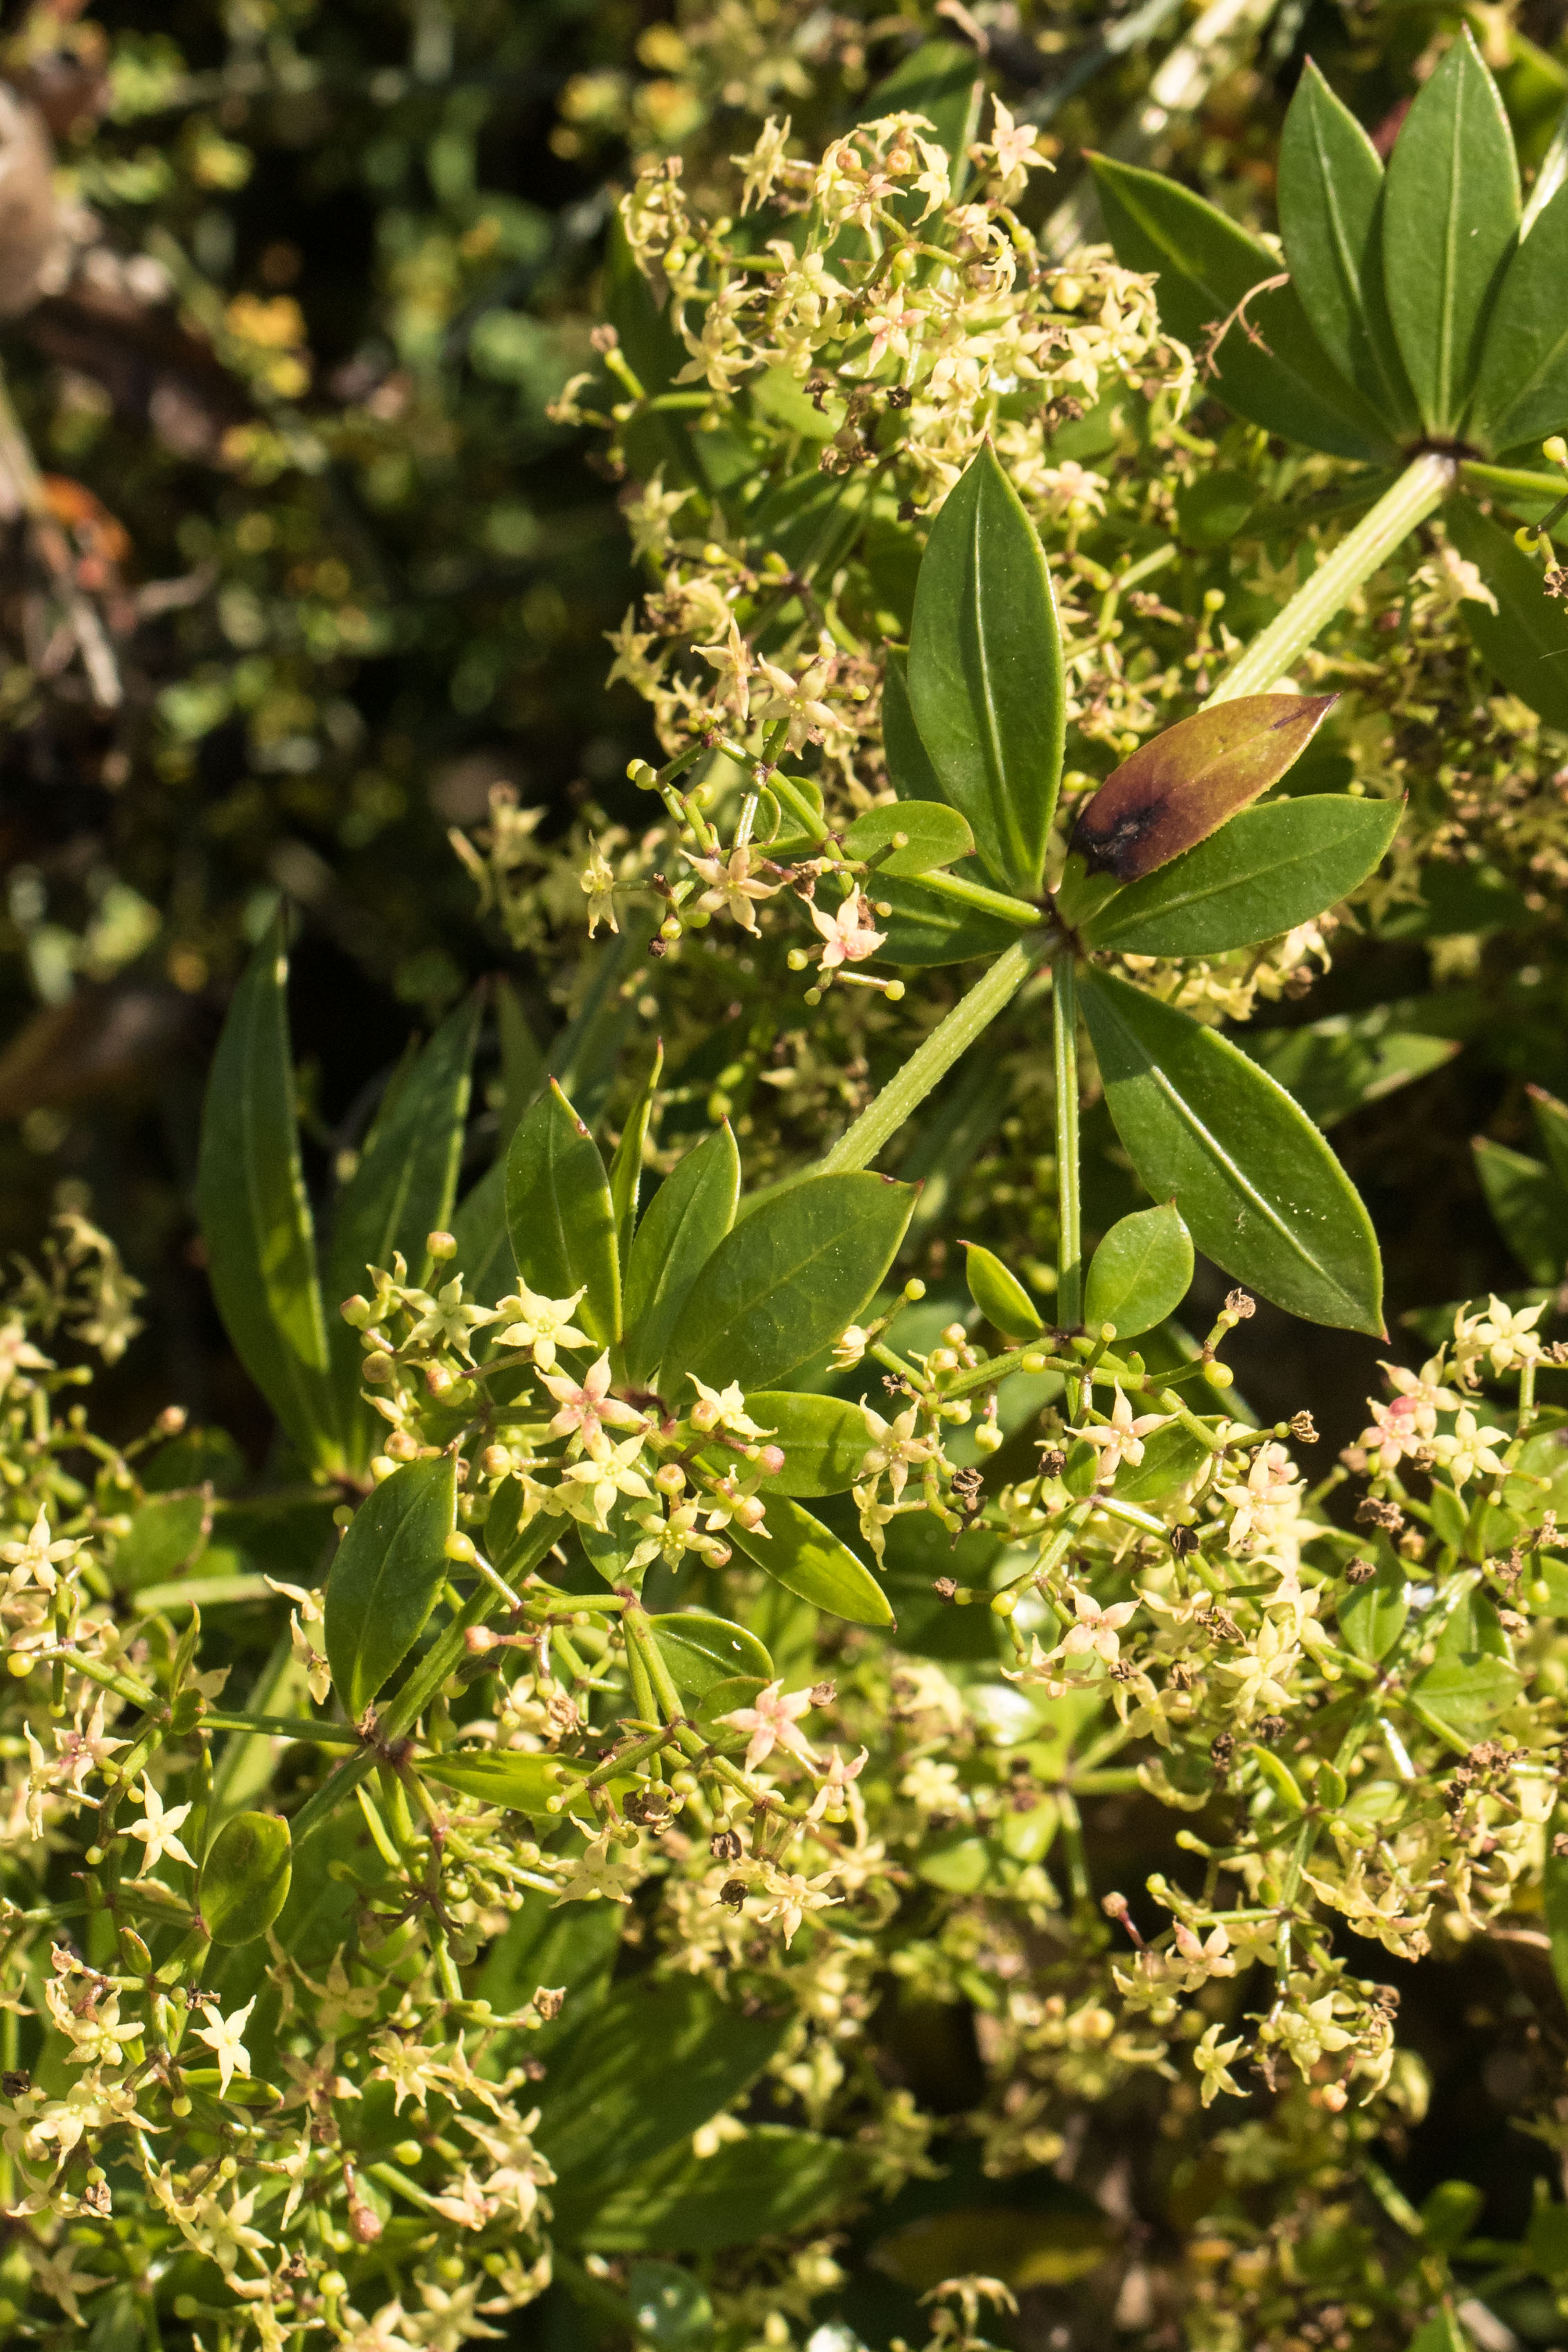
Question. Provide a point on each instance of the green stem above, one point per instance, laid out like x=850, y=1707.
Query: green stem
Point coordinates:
x=881, y=1120
x=1420, y=490
x=1064, y=1049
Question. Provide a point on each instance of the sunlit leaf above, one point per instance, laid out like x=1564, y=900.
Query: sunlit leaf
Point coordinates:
x=687, y=1218
x=928, y=833
x=559, y=1214
x=823, y=1440
x=808, y=1560
x=999, y=1295
x=389, y=1567
x=1139, y=1274
x=244, y=1875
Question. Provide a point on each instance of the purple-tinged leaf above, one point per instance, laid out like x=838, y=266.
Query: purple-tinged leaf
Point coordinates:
x=1180, y=787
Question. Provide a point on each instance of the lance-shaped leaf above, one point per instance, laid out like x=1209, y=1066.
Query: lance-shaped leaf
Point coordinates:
x=559, y=1214
x=509, y=1776
x=1525, y=641
x=1178, y=789
x=1551, y=1125
x=687, y=1218
x=1257, y=1188
x=1330, y=222
x=1211, y=271
x=625, y=1168
x=484, y=1256
x=1334, y=1065
x=787, y=1281
x=1450, y=217
x=824, y=1441
x=999, y=1295
x=1531, y=1206
x=771, y=2182
x=389, y=1567
x=245, y=1877
x=910, y=771
x=255, y=1214
x=1139, y=1274
x=401, y=1191
x=910, y=837
x=1266, y=871
x=808, y=1560
x=985, y=674
x=1522, y=391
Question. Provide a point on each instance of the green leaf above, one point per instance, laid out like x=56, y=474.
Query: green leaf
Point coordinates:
x=1525, y=641
x=985, y=673
x=1183, y=785
x=687, y=1218
x=1266, y=871
x=642, y=2074
x=1214, y=508
x=484, y=1257
x=910, y=771
x=1450, y=2213
x=402, y=1192
x=1334, y=1067
x=823, y=1440
x=509, y=1776
x=808, y=1560
x=625, y=1168
x=701, y=1651
x=1556, y=1893
x=1206, y=267
x=1551, y=1125
x=999, y=1295
x=1529, y=1204
x=522, y=1066
x=255, y=1214
x=1370, y=1616
x=726, y=1698
x=771, y=2182
x=669, y=2308
x=940, y=79
x=390, y=1566
x=1450, y=216
x=244, y=1875
x=1171, y=1457
x=559, y=1214
x=1257, y=1188
x=1139, y=1274
x=788, y=1279
x=1465, y=1693
x=929, y=923
x=1330, y=221
x=1523, y=392
x=932, y=836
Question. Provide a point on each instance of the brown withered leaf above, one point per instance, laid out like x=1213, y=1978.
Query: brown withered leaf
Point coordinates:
x=1180, y=787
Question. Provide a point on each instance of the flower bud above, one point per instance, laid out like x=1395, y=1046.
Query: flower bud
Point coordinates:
x=171, y=1421
x=459, y=1547
x=402, y=1446
x=669, y=1478
x=377, y=1367
x=479, y=1641
x=771, y=1460
x=382, y=1467
x=988, y=1437
x=441, y=1244
x=496, y=1461
x=356, y=1311
x=704, y=1414
x=438, y=1380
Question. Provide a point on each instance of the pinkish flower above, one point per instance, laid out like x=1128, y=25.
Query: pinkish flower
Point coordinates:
x=850, y=934
x=584, y=1410
x=771, y=1723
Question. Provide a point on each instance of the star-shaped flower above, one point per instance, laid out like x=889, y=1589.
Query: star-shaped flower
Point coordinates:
x=586, y=1406
x=1098, y=1630
x=851, y=934
x=223, y=2037
x=541, y=1324
x=36, y=1561
x=770, y=1720
x=1120, y=1438
x=733, y=886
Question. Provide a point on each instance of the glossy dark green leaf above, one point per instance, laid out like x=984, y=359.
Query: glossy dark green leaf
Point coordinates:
x=931, y=835
x=940, y=79
x=1551, y=1125
x=787, y=1281
x=823, y=1440
x=1450, y=216
x=1334, y=1067
x=910, y=771
x=402, y=1192
x=985, y=674
x=561, y=1217
x=702, y=1651
x=1523, y=392
x=255, y=1214
x=1171, y=1457
x=1266, y=871
x=484, y=1256
x=687, y=1218
x=722, y=1699
x=769, y=2183
x=932, y=922
x=999, y=1295
x=1207, y=266
x=1525, y=641
x=1330, y=222
x=808, y=1560
x=244, y=1876
x=625, y=1168
x=510, y=1777
x=389, y=1567
x=1530, y=1205
x=1181, y=785
x=1257, y=1188
x=1212, y=508
x=1139, y=1274
x=642, y=2073
x=1370, y=1616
